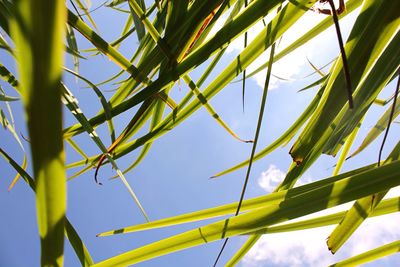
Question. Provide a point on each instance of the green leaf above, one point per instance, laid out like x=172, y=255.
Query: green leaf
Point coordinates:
x=346, y=149
x=140, y=29
x=73, y=47
x=4, y=44
x=8, y=98
x=102, y=99
x=7, y=76
x=87, y=13
x=105, y=47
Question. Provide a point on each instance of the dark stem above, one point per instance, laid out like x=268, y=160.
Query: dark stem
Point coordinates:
x=244, y=71
x=76, y=10
x=343, y=54
x=220, y=252
x=390, y=120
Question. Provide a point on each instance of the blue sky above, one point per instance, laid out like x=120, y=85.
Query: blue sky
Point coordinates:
x=174, y=177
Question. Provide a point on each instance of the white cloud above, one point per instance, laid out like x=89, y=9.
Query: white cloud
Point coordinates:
x=308, y=247
x=271, y=178
x=393, y=192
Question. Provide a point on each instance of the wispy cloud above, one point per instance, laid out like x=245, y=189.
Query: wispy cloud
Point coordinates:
x=289, y=66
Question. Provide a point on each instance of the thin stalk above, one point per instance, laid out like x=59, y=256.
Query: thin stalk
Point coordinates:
x=390, y=119
x=253, y=151
x=346, y=69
